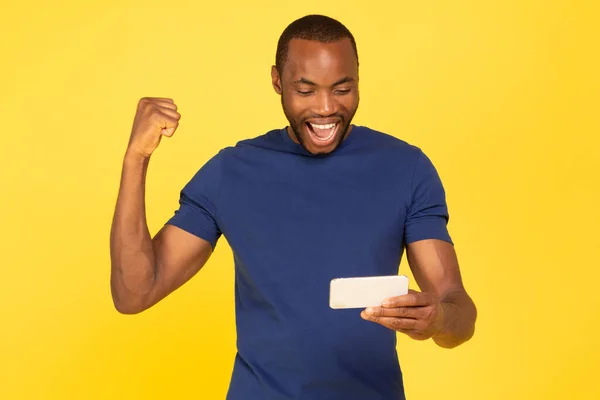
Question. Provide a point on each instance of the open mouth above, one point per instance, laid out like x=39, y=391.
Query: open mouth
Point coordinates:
x=322, y=133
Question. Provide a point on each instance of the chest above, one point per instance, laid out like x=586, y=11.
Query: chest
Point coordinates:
x=319, y=207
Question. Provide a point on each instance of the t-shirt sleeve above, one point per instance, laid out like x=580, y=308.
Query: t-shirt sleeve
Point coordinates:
x=427, y=216
x=198, y=201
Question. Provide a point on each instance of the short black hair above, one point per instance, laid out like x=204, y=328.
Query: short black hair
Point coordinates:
x=311, y=27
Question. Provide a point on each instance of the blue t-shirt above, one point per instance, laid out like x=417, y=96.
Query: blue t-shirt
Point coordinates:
x=295, y=221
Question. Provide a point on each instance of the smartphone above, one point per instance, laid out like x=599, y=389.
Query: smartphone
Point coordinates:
x=362, y=292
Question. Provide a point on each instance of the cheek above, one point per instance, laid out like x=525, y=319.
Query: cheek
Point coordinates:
x=349, y=102
x=295, y=107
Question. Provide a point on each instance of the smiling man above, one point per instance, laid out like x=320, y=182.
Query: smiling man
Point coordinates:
x=319, y=199
x=318, y=83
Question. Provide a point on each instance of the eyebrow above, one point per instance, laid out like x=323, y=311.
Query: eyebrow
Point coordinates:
x=305, y=81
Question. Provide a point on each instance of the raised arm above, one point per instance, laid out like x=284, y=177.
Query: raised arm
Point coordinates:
x=144, y=270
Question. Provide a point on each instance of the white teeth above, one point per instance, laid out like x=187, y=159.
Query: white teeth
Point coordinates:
x=328, y=126
x=331, y=127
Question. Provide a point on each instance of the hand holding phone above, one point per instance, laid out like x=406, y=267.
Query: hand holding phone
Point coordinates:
x=362, y=292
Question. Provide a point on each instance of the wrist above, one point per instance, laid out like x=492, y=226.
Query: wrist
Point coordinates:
x=134, y=157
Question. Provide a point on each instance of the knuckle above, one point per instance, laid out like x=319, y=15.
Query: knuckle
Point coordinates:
x=398, y=325
x=413, y=299
x=149, y=108
x=404, y=324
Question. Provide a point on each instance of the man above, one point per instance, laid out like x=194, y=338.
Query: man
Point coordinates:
x=319, y=199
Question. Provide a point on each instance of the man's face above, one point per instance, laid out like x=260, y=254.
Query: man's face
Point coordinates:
x=319, y=92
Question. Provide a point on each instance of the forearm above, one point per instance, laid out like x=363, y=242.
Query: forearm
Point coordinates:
x=132, y=256
x=459, y=315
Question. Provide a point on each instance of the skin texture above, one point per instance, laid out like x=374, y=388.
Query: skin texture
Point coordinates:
x=319, y=84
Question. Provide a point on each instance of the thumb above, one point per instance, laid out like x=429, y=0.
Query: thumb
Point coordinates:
x=168, y=131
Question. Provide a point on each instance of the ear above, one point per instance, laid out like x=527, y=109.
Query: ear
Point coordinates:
x=276, y=80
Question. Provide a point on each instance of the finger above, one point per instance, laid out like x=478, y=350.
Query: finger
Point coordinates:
x=170, y=112
x=413, y=334
x=167, y=124
x=166, y=104
x=392, y=322
x=168, y=131
x=399, y=312
x=155, y=99
x=412, y=299
x=164, y=119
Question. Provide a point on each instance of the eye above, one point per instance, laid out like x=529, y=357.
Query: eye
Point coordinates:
x=343, y=91
x=304, y=93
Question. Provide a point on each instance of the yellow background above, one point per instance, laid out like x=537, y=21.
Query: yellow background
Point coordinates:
x=502, y=95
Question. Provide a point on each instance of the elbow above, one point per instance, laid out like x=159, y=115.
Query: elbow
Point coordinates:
x=461, y=326
x=128, y=309
x=130, y=298
x=126, y=303
x=472, y=319
x=458, y=339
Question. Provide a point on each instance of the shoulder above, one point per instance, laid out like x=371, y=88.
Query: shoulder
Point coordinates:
x=252, y=146
x=267, y=140
x=210, y=174
x=387, y=144
x=399, y=155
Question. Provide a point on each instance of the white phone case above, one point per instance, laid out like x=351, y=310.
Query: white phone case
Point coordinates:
x=362, y=292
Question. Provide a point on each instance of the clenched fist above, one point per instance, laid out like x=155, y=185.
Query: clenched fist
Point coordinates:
x=155, y=117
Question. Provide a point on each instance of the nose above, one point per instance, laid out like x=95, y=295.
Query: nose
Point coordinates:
x=325, y=104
